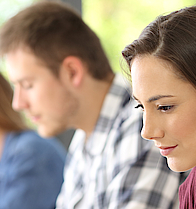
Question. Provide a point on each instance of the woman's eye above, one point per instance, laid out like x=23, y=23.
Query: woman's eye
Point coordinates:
x=165, y=108
x=139, y=106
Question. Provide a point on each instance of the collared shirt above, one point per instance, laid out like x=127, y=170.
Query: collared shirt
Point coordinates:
x=116, y=168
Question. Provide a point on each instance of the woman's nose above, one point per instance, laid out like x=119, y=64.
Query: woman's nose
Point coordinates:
x=152, y=128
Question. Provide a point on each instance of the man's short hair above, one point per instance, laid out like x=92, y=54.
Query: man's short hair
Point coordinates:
x=52, y=31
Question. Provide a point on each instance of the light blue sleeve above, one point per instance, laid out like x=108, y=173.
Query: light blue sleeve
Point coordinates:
x=32, y=173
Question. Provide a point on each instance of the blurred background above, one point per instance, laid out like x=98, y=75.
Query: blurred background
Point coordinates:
x=116, y=22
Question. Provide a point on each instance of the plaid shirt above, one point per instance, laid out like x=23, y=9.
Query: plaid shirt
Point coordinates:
x=116, y=168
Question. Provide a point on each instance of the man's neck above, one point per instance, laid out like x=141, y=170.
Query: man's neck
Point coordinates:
x=92, y=102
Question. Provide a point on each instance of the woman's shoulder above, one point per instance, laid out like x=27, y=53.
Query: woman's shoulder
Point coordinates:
x=30, y=142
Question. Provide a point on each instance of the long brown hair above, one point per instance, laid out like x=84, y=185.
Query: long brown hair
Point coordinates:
x=171, y=38
x=9, y=119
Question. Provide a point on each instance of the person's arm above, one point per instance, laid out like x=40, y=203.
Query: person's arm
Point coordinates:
x=33, y=177
x=145, y=184
x=140, y=176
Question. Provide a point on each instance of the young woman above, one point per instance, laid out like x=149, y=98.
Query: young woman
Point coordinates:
x=31, y=168
x=162, y=62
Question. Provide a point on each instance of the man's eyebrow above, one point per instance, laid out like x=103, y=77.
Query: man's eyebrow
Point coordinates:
x=22, y=80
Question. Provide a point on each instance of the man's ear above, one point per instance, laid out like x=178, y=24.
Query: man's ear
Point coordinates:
x=72, y=70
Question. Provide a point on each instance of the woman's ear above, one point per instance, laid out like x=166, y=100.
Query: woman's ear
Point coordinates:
x=72, y=70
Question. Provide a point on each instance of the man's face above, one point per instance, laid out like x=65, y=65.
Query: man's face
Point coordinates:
x=44, y=98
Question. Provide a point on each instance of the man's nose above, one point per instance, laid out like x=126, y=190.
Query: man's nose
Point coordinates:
x=19, y=101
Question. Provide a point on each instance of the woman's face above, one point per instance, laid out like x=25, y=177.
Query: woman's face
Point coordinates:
x=169, y=110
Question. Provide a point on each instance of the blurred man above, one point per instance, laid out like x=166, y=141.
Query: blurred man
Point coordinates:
x=63, y=80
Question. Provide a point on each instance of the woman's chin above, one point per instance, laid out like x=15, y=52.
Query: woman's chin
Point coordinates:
x=177, y=165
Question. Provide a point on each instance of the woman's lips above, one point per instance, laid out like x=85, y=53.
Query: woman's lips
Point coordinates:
x=166, y=150
x=35, y=118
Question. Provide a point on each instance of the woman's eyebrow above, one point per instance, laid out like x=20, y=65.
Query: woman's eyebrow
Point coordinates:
x=135, y=98
x=154, y=98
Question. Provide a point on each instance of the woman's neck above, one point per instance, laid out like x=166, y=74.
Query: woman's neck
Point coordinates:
x=2, y=140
